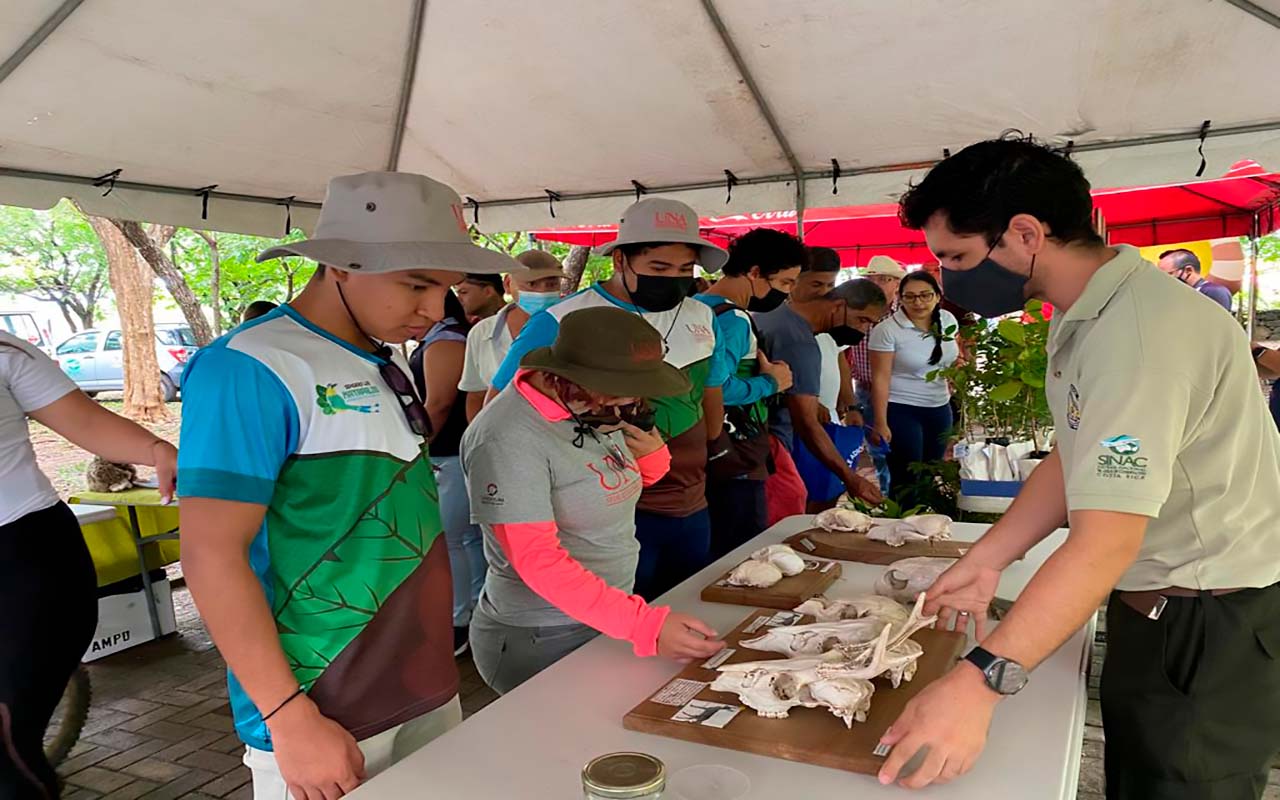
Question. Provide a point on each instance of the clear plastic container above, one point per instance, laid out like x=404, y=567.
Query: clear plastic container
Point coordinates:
x=624, y=776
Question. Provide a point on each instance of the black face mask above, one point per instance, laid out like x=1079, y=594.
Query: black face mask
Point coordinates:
x=846, y=335
x=769, y=302
x=639, y=415
x=988, y=289
x=654, y=293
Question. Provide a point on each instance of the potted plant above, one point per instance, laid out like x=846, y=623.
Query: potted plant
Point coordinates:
x=1000, y=387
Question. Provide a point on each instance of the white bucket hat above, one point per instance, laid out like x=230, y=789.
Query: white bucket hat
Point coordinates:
x=377, y=222
x=661, y=220
x=884, y=265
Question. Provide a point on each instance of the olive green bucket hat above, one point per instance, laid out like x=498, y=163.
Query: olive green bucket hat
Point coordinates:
x=612, y=352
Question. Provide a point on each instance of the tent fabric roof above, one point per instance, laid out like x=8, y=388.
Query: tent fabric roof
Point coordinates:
x=1140, y=216
x=505, y=99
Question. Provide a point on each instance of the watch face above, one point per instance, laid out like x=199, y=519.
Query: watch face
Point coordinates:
x=1007, y=677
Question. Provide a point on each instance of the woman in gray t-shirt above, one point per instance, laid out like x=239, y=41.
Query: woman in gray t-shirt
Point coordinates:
x=554, y=467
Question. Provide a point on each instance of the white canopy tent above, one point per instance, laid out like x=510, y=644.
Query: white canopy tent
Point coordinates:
x=575, y=105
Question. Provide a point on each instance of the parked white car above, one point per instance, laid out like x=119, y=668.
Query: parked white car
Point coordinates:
x=94, y=359
x=23, y=325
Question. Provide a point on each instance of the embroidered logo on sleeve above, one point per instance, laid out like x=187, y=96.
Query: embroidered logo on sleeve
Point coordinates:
x=1123, y=460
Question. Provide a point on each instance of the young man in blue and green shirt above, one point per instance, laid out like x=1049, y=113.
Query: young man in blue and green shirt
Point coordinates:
x=310, y=516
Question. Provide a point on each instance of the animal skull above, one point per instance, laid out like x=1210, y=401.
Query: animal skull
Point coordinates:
x=920, y=528
x=815, y=638
x=782, y=557
x=844, y=520
x=760, y=574
x=773, y=688
x=864, y=605
x=904, y=580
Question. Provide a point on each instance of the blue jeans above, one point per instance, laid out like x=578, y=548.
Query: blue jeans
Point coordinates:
x=466, y=544
x=671, y=549
x=919, y=434
x=878, y=458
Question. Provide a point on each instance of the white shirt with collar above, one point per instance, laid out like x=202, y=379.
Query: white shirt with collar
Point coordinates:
x=911, y=349
x=487, y=344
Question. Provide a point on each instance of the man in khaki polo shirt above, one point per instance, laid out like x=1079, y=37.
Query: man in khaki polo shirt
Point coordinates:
x=1167, y=467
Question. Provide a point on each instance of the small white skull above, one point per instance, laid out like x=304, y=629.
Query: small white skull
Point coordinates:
x=906, y=579
x=843, y=520
x=782, y=557
x=757, y=574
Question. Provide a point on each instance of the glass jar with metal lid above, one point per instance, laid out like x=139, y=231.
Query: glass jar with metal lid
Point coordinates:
x=624, y=776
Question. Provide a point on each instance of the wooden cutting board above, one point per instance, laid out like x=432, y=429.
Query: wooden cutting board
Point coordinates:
x=785, y=594
x=807, y=735
x=857, y=547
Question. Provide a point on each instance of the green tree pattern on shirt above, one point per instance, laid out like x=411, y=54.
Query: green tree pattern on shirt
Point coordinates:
x=334, y=566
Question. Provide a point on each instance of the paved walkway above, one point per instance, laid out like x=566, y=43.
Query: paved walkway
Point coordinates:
x=160, y=726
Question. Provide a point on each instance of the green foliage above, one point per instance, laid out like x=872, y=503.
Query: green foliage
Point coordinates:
x=243, y=279
x=1001, y=386
x=53, y=256
x=889, y=509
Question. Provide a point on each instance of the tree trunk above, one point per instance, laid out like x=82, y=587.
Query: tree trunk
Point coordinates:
x=173, y=279
x=132, y=283
x=215, y=281
x=575, y=264
x=66, y=314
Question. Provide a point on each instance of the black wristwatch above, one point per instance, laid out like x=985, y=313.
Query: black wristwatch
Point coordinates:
x=1003, y=676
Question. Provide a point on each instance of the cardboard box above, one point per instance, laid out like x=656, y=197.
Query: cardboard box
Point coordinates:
x=123, y=620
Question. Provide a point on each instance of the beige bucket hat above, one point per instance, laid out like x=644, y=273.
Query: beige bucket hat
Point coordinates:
x=376, y=222
x=537, y=264
x=884, y=265
x=665, y=221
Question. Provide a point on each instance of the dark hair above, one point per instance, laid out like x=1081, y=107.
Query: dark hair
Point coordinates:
x=935, y=323
x=1182, y=258
x=256, y=309
x=858, y=294
x=453, y=310
x=492, y=281
x=772, y=251
x=986, y=184
x=823, y=259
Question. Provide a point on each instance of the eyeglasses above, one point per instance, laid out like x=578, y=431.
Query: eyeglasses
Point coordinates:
x=406, y=394
x=922, y=297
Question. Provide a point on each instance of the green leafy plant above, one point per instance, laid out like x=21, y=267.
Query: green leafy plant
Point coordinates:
x=1000, y=387
x=889, y=509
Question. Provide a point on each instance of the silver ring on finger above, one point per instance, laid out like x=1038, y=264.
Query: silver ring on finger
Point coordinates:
x=964, y=613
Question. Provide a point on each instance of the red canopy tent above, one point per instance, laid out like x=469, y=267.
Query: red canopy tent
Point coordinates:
x=1142, y=215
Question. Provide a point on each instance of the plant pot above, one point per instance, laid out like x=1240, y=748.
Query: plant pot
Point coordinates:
x=1027, y=465
x=1003, y=441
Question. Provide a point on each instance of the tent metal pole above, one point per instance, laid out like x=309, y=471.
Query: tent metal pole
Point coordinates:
x=762, y=105
x=1249, y=7
x=37, y=38
x=406, y=82
x=1254, y=235
x=717, y=183
x=185, y=191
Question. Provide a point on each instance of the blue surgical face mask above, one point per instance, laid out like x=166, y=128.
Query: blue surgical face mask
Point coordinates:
x=989, y=289
x=533, y=302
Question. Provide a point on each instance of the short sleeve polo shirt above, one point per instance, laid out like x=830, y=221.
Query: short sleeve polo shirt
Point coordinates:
x=1157, y=412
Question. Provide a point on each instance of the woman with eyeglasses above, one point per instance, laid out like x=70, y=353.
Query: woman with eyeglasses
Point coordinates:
x=437, y=369
x=912, y=410
x=555, y=465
